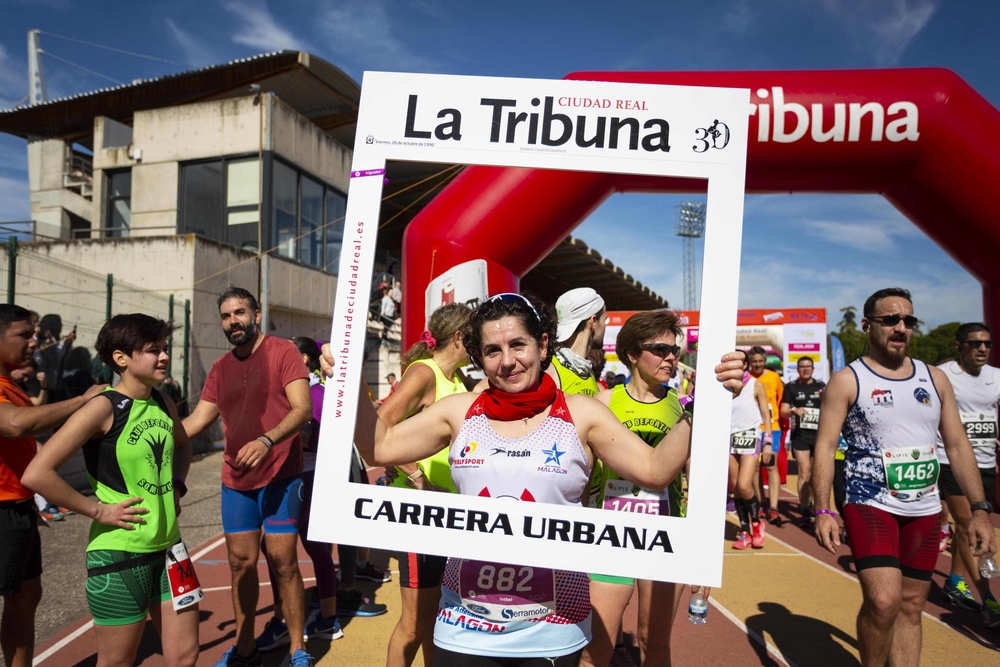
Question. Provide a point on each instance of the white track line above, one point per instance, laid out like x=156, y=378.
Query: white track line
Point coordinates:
x=854, y=578
x=773, y=650
x=261, y=585
x=62, y=643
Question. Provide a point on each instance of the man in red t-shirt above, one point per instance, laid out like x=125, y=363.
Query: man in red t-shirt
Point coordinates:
x=261, y=391
x=20, y=546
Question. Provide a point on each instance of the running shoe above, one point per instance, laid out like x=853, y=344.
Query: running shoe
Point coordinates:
x=962, y=596
x=52, y=508
x=320, y=627
x=773, y=517
x=991, y=613
x=50, y=516
x=731, y=506
x=298, y=659
x=275, y=634
x=372, y=573
x=758, y=535
x=233, y=659
x=353, y=603
x=762, y=514
x=742, y=541
x=945, y=536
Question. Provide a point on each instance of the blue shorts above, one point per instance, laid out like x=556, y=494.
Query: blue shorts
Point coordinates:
x=275, y=508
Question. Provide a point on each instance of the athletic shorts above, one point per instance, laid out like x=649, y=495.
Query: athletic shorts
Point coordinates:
x=949, y=485
x=121, y=585
x=420, y=570
x=882, y=539
x=611, y=579
x=20, y=545
x=275, y=507
x=804, y=444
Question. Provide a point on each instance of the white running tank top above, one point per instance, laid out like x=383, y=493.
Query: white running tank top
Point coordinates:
x=895, y=416
x=549, y=465
x=977, y=397
x=746, y=412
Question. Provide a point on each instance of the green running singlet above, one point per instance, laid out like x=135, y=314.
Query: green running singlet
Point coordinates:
x=135, y=458
x=436, y=468
x=651, y=422
x=571, y=383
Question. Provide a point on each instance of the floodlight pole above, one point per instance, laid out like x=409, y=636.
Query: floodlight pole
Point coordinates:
x=690, y=226
x=37, y=92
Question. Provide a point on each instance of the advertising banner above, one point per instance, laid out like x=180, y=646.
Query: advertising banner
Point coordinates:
x=583, y=126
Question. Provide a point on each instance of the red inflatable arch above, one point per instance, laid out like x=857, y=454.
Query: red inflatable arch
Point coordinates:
x=922, y=138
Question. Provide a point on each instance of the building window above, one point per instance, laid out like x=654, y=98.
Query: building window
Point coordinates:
x=220, y=199
x=285, y=196
x=336, y=207
x=311, y=234
x=243, y=203
x=119, y=203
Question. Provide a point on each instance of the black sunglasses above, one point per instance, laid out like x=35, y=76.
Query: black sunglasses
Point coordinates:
x=909, y=321
x=661, y=350
x=978, y=343
x=512, y=296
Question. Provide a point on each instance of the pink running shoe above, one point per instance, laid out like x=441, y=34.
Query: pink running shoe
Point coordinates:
x=945, y=536
x=742, y=541
x=758, y=535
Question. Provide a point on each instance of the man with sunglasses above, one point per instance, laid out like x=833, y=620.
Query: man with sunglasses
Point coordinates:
x=800, y=403
x=891, y=409
x=977, y=392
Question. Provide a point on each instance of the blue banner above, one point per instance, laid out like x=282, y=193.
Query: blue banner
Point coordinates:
x=836, y=353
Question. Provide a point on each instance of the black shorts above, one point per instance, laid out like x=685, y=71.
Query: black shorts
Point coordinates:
x=949, y=485
x=20, y=545
x=801, y=444
x=420, y=570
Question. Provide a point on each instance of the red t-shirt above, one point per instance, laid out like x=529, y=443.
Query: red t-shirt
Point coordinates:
x=15, y=453
x=250, y=394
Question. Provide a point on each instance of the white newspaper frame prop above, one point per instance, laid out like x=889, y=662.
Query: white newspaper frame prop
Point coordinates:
x=707, y=140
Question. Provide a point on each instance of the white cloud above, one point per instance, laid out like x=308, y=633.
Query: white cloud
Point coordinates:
x=259, y=30
x=14, y=200
x=13, y=79
x=884, y=27
x=196, y=52
x=869, y=236
x=362, y=33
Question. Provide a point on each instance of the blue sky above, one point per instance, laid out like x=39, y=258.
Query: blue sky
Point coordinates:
x=853, y=244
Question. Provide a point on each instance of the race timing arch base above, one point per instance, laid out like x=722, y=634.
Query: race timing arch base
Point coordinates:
x=922, y=138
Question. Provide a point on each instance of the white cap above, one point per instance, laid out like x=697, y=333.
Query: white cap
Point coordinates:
x=574, y=307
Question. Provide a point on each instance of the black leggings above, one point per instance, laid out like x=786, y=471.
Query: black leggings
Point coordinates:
x=445, y=658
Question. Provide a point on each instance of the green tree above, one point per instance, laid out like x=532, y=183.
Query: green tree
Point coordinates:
x=854, y=341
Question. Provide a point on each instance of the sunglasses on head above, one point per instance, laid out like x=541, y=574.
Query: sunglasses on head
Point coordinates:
x=909, y=321
x=661, y=350
x=979, y=343
x=512, y=296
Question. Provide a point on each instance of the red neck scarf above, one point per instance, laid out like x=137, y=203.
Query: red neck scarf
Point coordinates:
x=506, y=407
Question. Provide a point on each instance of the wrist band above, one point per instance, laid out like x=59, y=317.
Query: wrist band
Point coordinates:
x=415, y=476
x=264, y=439
x=828, y=512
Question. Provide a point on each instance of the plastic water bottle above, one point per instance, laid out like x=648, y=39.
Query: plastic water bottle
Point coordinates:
x=988, y=568
x=698, y=606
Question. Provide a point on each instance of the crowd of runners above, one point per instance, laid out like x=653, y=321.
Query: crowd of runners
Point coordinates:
x=890, y=441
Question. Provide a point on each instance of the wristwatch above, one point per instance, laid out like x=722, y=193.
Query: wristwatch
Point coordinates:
x=180, y=487
x=984, y=505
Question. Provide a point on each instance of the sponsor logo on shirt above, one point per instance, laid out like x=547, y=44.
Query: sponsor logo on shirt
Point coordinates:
x=922, y=396
x=882, y=398
x=465, y=459
x=552, y=463
x=511, y=453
